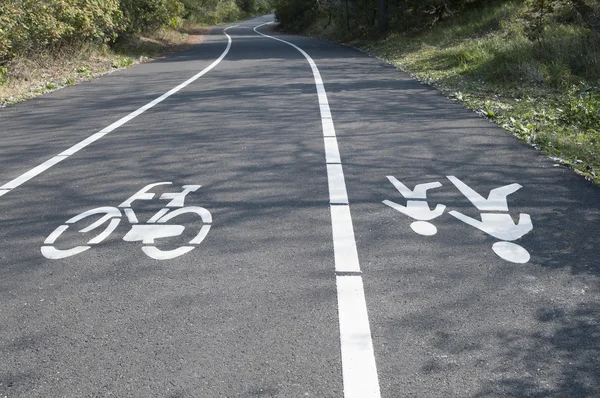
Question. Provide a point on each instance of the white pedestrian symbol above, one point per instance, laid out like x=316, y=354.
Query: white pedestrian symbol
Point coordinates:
x=155, y=228
x=498, y=225
x=417, y=209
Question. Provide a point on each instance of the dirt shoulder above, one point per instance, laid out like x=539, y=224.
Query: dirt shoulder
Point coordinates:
x=28, y=77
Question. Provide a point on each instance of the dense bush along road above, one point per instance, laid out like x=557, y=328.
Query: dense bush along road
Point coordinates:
x=267, y=215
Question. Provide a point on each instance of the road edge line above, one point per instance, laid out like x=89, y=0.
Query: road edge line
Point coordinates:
x=39, y=169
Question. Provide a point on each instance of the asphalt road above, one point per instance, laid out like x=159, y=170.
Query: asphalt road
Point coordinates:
x=470, y=293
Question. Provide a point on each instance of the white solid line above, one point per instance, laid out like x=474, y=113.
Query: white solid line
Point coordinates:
x=77, y=147
x=332, y=152
x=359, y=371
x=358, y=363
x=33, y=172
x=344, y=243
x=337, y=185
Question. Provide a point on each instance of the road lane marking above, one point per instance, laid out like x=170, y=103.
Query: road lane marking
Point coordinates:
x=417, y=206
x=328, y=129
x=344, y=243
x=355, y=336
x=359, y=370
x=77, y=147
x=332, y=152
x=337, y=185
x=23, y=178
x=33, y=172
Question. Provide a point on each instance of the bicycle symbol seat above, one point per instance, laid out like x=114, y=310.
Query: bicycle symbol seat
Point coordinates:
x=155, y=228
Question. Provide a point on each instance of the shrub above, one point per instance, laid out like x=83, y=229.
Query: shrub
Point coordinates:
x=254, y=6
x=147, y=16
x=212, y=11
x=3, y=73
x=29, y=25
x=296, y=14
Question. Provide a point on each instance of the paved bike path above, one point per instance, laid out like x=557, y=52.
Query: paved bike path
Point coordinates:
x=38, y=129
x=449, y=317
x=252, y=311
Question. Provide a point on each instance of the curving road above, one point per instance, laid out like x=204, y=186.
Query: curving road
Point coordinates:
x=267, y=215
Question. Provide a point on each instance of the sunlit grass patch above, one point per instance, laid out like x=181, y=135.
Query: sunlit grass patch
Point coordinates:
x=546, y=92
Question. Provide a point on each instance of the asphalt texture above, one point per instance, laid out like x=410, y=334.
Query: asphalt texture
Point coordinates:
x=252, y=311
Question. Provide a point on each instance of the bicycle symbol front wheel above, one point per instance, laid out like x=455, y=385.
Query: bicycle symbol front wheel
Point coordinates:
x=174, y=230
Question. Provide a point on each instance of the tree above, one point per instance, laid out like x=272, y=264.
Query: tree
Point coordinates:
x=382, y=17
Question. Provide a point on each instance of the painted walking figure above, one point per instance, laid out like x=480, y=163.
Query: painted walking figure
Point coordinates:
x=498, y=225
x=495, y=219
x=417, y=207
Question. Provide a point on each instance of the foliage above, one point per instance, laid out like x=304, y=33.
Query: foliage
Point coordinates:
x=28, y=26
x=254, y=6
x=48, y=44
x=146, y=16
x=537, y=16
x=218, y=11
x=3, y=73
x=360, y=17
x=296, y=14
x=121, y=62
x=546, y=92
x=566, y=127
x=582, y=108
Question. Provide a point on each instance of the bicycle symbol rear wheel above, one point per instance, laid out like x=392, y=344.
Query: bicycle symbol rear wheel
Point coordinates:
x=111, y=214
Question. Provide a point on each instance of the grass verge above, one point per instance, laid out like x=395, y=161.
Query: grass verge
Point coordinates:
x=27, y=77
x=545, y=92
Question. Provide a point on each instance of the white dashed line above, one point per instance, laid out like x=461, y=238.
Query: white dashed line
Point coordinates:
x=328, y=129
x=359, y=370
x=337, y=185
x=332, y=152
x=354, y=332
x=344, y=244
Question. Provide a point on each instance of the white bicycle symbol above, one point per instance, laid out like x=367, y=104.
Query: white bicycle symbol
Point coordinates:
x=155, y=228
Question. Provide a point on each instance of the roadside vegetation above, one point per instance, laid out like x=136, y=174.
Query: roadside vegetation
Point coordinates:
x=45, y=45
x=532, y=66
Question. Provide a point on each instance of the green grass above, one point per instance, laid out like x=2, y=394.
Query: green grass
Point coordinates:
x=545, y=92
